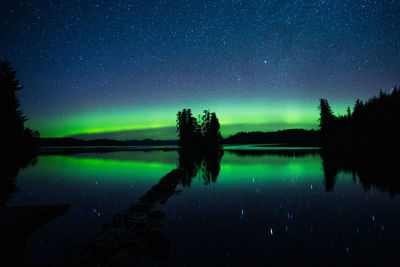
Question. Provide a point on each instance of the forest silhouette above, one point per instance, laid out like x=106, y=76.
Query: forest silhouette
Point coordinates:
x=198, y=133
x=362, y=142
x=18, y=138
x=373, y=124
x=19, y=142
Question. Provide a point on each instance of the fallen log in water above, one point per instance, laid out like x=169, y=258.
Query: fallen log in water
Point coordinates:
x=133, y=232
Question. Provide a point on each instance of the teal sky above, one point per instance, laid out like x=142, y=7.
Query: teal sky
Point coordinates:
x=123, y=69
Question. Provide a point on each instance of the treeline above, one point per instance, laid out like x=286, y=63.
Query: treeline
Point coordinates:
x=17, y=138
x=372, y=124
x=290, y=137
x=201, y=132
x=151, y=142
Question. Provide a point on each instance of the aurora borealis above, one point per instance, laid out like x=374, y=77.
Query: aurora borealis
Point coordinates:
x=122, y=69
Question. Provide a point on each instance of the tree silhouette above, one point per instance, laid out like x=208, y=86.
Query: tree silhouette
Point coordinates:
x=205, y=125
x=326, y=119
x=198, y=133
x=14, y=132
x=372, y=124
x=213, y=132
x=12, y=115
x=187, y=128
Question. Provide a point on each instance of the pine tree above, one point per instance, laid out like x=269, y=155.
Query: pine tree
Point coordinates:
x=12, y=117
x=15, y=134
x=326, y=115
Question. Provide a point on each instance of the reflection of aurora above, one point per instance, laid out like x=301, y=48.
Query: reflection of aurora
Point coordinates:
x=140, y=223
x=98, y=185
x=233, y=168
x=150, y=166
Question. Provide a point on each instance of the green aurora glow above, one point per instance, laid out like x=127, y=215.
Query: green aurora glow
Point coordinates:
x=123, y=70
x=141, y=122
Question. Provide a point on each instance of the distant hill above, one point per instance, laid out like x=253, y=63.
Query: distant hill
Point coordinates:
x=293, y=137
x=59, y=142
x=151, y=142
x=68, y=141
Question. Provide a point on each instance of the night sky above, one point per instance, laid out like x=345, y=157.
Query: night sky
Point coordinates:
x=122, y=69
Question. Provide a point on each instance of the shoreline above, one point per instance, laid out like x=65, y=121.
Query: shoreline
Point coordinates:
x=107, y=149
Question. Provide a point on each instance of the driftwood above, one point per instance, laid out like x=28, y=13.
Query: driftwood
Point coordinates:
x=133, y=232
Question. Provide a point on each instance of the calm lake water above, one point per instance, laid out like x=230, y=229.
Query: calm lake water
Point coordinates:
x=240, y=208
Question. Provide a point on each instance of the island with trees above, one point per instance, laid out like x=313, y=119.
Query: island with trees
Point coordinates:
x=203, y=132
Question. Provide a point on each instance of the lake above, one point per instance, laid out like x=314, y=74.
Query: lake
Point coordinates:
x=236, y=207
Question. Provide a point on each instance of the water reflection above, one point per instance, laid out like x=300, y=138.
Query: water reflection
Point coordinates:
x=289, y=153
x=135, y=232
x=205, y=164
x=132, y=233
x=11, y=165
x=17, y=223
x=253, y=193
x=373, y=170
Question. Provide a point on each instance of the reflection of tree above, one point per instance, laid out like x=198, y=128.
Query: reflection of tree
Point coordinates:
x=331, y=170
x=20, y=143
x=12, y=164
x=374, y=170
x=17, y=223
x=135, y=232
x=205, y=163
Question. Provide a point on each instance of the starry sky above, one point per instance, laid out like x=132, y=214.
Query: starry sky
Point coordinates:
x=122, y=69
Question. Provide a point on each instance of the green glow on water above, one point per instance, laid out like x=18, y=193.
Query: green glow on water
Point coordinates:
x=128, y=175
x=101, y=169
x=151, y=166
x=270, y=169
